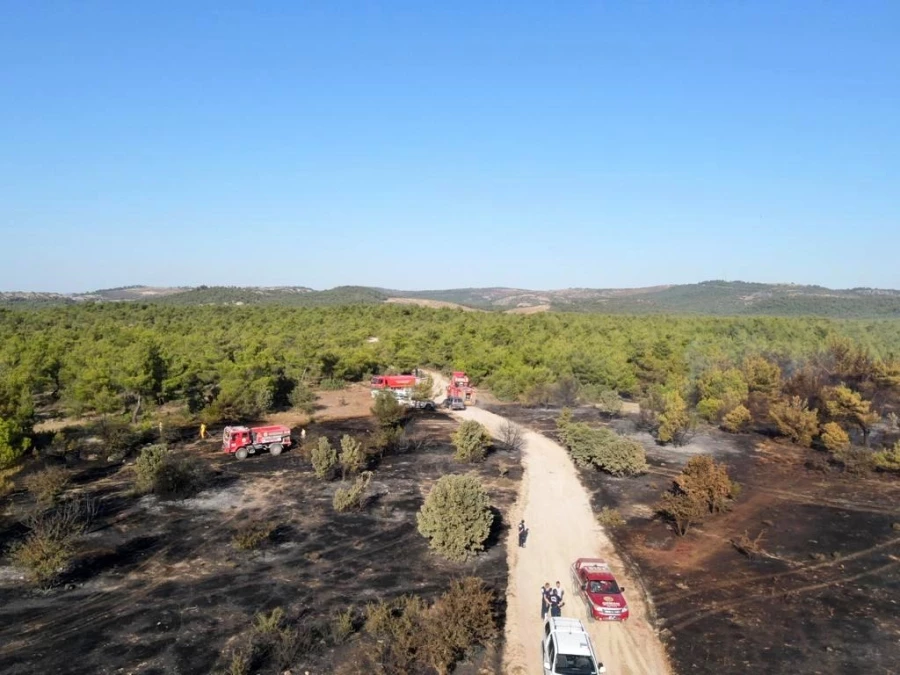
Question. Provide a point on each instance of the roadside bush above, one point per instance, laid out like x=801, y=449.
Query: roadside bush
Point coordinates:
x=512, y=436
x=456, y=517
x=346, y=499
x=603, y=449
x=324, y=458
x=737, y=420
x=701, y=489
x=471, y=441
x=888, y=460
x=834, y=438
x=387, y=411
x=250, y=536
x=795, y=420
x=609, y=517
x=353, y=457
x=47, y=485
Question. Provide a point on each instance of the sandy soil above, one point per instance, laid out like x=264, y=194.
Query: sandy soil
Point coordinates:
x=557, y=511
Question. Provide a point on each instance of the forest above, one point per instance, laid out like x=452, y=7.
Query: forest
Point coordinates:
x=228, y=363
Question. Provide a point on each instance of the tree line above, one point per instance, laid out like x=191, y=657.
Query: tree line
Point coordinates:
x=234, y=363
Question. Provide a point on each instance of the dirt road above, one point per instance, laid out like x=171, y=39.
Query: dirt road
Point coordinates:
x=557, y=512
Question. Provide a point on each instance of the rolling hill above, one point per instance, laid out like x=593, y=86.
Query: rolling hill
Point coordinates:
x=723, y=298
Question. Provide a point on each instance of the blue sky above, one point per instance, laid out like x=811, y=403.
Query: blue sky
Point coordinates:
x=539, y=145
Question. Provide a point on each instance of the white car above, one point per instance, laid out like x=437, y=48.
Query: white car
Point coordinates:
x=567, y=650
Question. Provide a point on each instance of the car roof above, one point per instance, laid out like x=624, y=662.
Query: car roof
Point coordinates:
x=570, y=637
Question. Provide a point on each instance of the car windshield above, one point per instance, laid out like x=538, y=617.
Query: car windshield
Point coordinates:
x=574, y=665
x=609, y=587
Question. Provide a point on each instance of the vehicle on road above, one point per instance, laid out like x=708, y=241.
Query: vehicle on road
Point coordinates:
x=460, y=388
x=244, y=441
x=597, y=585
x=454, y=403
x=401, y=386
x=566, y=649
x=422, y=405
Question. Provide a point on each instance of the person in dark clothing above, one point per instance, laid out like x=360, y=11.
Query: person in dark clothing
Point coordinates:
x=545, y=600
x=555, y=601
x=523, y=534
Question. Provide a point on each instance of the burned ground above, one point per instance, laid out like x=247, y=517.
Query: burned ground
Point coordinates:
x=823, y=595
x=158, y=586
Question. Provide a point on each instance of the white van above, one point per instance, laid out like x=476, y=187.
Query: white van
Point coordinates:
x=567, y=650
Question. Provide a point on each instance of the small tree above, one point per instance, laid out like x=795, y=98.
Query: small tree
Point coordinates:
x=303, y=398
x=456, y=517
x=324, y=458
x=888, y=460
x=471, y=440
x=353, y=457
x=736, y=420
x=702, y=488
x=148, y=466
x=349, y=498
x=844, y=404
x=682, y=510
x=387, y=410
x=423, y=390
x=795, y=420
x=834, y=438
x=675, y=421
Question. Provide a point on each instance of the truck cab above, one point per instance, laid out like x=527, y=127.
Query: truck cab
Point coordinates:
x=566, y=649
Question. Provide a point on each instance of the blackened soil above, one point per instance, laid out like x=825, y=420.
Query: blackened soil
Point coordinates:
x=822, y=597
x=158, y=587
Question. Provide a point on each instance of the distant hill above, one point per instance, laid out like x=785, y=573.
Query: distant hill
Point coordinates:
x=731, y=298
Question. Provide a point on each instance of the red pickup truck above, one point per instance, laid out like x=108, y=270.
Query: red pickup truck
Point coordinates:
x=598, y=587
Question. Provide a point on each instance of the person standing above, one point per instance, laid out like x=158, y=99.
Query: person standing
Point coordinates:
x=556, y=602
x=559, y=591
x=545, y=600
x=202, y=431
x=523, y=533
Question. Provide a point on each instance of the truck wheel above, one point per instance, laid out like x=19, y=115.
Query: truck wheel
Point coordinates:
x=275, y=449
x=241, y=453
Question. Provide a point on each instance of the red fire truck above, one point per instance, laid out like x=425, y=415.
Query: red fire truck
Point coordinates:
x=244, y=441
x=460, y=388
x=399, y=385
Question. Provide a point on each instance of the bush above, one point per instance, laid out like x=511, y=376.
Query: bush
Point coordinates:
x=159, y=471
x=45, y=486
x=346, y=499
x=834, y=438
x=456, y=517
x=353, y=457
x=855, y=461
x=147, y=467
x=49, y=547
x=6, y=485
x=603, y=449
x=332, y=384
x=512, y=436
x=471, y=440
x=609, y=403
x=303, y=398
x=251, y=536
x=324, y=458
x=342, y=626
x=888, y=460
x=737, y=420
x=795, y=420
x=610, y=517
x=675, y=422
x=387, y=411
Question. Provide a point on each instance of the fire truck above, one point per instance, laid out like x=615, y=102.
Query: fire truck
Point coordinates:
x=244, y=441
x=399, y=385
x=460, y=388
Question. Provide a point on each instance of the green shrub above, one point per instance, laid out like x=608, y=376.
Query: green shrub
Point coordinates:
x=888, y=460
x=342, y=626
x=147, y=467
x=387, y=410
x=324, y=458
x=303, y=398
x=456, y=517
x=737, y=420
x=49, y=547
x=604, y=449
x=795, y=420
x=609, y=517
x=346, y=499
x=332, y=384
x=834, y=438
x=353, y=457
x=47, y=485
x=855, y=461
x=250, y=536
x=471, y=440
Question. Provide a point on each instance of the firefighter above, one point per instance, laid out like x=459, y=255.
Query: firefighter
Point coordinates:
x=523, y=534
x=202, y=431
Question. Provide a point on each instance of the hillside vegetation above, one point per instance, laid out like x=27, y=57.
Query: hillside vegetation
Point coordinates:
x=234, y=363
x=716, y=298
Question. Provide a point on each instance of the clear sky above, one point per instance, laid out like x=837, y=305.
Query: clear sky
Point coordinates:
x=436, y=145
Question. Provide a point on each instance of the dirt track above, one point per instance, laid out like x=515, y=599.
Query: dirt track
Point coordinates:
x=557, y=512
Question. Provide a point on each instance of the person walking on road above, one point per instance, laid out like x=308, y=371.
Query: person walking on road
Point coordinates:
x=559, y=591
x=523, y=534
x=545, y=600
